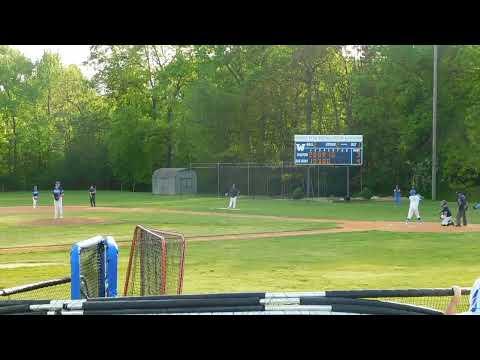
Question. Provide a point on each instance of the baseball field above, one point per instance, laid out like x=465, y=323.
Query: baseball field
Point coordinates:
x=267, y=244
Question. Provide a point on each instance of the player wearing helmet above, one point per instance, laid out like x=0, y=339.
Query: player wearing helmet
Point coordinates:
x=445, y=214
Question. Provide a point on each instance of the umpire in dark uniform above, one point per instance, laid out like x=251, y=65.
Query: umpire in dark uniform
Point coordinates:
x=92, y=192
x=462, y=209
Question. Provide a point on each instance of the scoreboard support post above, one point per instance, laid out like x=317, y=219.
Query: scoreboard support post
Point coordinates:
x=308, y=181
x=348, y=183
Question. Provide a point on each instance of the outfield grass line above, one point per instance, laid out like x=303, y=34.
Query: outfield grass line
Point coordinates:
x=236, y=236
x=345, y=227
x=341, y=226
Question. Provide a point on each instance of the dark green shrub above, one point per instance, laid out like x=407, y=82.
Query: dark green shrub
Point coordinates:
x=366, y=193
x=298, y=193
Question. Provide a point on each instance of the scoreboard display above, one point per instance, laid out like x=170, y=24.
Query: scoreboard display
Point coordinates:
x=329, y=150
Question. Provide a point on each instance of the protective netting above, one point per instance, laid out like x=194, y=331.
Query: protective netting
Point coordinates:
x=92, y=270
x=432, y=302
x=43, y=290
x=175, y=248
x=156, y=263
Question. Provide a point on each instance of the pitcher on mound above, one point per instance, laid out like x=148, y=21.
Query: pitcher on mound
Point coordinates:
x=58, y=200
x=414, y=203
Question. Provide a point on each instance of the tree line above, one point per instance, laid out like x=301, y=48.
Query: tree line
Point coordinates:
x=151, y=106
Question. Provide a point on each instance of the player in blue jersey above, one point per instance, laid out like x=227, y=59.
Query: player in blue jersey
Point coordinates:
x=58, y=200
x=474, y=306
x=397, y=195
x=35, y=196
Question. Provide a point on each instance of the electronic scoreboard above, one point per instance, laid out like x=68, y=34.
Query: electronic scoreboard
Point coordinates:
x=329, y=150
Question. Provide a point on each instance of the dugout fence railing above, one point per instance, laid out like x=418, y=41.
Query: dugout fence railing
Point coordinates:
x=41, y=290
x=275, y=179
x=350, y=302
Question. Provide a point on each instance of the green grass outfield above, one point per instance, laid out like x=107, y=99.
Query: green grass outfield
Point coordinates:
x=371, y=259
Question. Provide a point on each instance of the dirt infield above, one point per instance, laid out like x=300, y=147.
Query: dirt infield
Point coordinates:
x=397, y=226
x=23, y=265
x=12, y=210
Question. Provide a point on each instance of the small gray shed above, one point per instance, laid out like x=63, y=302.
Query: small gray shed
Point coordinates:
x=171, y=181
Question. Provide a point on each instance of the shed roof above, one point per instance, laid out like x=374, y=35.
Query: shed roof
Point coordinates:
x=168, y=172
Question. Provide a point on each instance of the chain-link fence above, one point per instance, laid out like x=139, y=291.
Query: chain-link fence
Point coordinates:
x=279, y=180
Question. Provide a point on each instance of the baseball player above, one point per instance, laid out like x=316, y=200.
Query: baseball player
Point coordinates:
x=446, y=214
x=412, y=191
x=462, y=209
x=397, y=195
x=233, y=193
x=35, y=196
x=58, y=200
x=92, y=191
x=414, y=203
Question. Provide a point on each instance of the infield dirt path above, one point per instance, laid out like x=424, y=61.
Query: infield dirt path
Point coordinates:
x=342, y=226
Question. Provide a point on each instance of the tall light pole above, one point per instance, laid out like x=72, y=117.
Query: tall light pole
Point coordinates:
x=434, y=125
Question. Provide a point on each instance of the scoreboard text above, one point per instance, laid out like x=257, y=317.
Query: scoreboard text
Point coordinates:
x=329, y=150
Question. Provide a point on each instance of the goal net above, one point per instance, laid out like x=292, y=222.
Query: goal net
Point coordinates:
x=94, y=268
x=156, y=263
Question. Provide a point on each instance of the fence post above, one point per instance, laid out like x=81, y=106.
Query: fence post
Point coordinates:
x=218, y=180
x=281, y=179
x=348, y=182
x=318, y=182
x=248, y=178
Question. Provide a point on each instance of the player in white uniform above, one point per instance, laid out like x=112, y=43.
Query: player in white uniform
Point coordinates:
x=58, y=200
x=414, y=203
x=35, y=196
x=233, y=193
